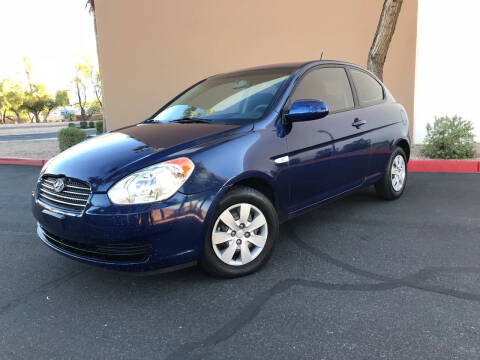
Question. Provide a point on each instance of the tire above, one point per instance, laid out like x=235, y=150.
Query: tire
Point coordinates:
x=242, y=252
x=388, y=187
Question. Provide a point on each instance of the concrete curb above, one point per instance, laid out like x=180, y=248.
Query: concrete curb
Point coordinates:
x=441, y=166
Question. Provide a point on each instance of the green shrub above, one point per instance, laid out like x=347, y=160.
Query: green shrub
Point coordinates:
x=450, y=138
x=91, y=124
x=71, y=125
x=83, y=124
x=99, y=127
x=70, y=136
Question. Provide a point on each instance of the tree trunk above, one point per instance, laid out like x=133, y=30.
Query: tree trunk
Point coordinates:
x=17, y=114
x=82, y=110
x=99, y=99
x=37, y=117
x=46, y=115
x=383, y=36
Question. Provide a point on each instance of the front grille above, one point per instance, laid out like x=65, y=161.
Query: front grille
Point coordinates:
x=109, y=252
x=72, y=198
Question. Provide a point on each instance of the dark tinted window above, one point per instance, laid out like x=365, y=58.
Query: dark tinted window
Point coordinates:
x=369, y=91
x=329, y=85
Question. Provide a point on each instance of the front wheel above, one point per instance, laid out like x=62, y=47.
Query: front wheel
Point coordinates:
x=392, y=184
x=241, y=235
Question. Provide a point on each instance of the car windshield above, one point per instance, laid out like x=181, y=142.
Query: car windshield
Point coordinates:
x=226, y=99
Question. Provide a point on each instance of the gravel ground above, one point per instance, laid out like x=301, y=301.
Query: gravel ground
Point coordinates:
x=37, y=149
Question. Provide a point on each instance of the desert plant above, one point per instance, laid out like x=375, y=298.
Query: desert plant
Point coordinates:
x=450, y=138
x=93, y=107
x=83, y=124
x=70, y=136
x=71, y=124
x=68, y=116
x=91, y=124
x=99, y=127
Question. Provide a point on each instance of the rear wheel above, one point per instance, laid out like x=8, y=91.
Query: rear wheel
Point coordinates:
x=392, y=184
x=242, y=234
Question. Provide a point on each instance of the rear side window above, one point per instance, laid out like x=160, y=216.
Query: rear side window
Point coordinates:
x=329, y=85
x=369, y=91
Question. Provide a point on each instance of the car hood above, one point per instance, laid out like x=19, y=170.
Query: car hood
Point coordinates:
x=107, y=158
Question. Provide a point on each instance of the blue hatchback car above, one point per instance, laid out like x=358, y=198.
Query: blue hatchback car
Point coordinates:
x=210, y=176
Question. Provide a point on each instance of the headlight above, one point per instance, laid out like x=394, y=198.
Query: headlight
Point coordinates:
x=154, y=183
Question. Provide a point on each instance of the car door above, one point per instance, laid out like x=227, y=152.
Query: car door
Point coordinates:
x=376, y=115
x=327, y=156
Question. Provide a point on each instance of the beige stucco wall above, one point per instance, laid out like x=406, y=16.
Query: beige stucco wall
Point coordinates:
x=150, y=50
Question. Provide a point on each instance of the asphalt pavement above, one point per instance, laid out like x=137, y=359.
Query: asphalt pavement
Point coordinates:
x=360, y=278
x=37, y=136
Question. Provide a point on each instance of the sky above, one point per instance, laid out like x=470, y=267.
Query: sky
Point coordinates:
x=53, y=34
x=447, y=72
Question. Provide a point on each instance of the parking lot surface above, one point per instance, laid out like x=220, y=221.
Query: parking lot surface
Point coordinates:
x=359, y=278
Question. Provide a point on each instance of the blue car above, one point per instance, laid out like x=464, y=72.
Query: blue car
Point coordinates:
x=210, y=176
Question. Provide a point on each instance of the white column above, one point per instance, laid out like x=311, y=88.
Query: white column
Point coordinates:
x=447, y=76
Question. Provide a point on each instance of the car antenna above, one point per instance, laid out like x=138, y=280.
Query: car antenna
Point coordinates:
x=321, y=55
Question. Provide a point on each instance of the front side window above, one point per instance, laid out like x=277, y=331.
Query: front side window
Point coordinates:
x=228, y=99
x=369, y=91
x=329, y=85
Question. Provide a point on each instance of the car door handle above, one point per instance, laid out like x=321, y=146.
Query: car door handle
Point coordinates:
x=357, y=123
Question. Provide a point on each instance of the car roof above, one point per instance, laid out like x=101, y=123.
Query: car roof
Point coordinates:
x=289, y=67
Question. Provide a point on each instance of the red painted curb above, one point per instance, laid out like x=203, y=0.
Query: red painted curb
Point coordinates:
x=22, y=161
x=448, y=166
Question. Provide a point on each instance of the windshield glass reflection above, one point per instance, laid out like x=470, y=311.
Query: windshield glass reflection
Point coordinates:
x=231, y=99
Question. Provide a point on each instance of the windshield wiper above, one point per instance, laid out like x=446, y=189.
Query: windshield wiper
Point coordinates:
x=191, y=120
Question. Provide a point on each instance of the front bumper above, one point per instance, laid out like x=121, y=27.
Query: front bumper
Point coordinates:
x=129, y=237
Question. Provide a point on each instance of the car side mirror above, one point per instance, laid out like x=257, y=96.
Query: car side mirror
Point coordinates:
x=305, y=110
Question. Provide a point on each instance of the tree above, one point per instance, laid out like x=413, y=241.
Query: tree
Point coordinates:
x=61, y=99
x=49, y=105
x=94, y=107
x=80, y=81
x=36, y=100
x=383, y=36
x=3, y=102
x=15, y=97
x=11, y=100
x=28, y=71
x=97, y=86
